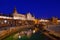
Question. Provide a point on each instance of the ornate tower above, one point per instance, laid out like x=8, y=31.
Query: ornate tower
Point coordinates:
x=15, y=12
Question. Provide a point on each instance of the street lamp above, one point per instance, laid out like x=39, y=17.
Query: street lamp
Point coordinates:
x=5, y=21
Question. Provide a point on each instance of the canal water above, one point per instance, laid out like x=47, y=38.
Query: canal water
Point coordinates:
x=36, y=36
x=39, y=36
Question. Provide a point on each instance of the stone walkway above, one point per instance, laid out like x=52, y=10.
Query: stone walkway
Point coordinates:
x=54, y=29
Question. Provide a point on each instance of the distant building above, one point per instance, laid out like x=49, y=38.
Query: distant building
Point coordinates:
x=55, y=20
x=43, y=20
x=4, y=17
x=58, y=20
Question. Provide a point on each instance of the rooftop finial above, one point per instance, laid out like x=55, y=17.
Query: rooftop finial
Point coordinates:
x=14, y=9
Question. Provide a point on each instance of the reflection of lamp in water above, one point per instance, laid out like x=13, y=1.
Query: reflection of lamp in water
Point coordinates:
x=33, y=31
x=19, y=36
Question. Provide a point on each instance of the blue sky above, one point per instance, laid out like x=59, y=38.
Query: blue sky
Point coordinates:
x=39, y=8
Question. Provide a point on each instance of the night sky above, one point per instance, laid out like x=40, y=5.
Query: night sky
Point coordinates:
x=39, y=8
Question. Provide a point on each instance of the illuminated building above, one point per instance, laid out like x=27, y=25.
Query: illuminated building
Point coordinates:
x=16, y=15
x=55, y=20
x=30, y=17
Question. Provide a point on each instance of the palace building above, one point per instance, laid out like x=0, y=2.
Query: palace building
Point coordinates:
x=16, y=18
x=17, y=15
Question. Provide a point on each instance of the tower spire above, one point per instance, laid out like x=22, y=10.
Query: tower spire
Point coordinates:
x=15, y=11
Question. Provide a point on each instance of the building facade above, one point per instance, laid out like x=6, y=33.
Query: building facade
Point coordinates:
x=30, y=17
x=16, y=15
